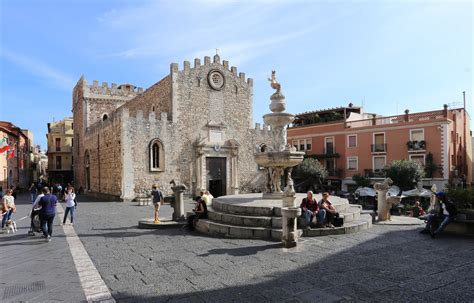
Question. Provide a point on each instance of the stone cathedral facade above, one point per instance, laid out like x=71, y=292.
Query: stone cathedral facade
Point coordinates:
x=194, y=126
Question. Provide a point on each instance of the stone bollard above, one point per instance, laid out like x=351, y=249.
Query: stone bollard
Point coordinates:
x=178, y=206
x=289, y=224
x=382, y=205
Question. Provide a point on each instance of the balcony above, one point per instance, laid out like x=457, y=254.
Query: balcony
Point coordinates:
x=379, y=148
x=374, y=173
x=416, y=145
x=329, y=153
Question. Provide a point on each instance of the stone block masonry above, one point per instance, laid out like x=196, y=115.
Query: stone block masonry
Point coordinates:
x=197, y=113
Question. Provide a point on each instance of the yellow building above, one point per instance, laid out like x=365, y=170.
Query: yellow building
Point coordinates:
x=60, y=143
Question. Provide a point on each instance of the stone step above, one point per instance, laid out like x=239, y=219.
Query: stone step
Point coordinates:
x=242, y=209
x=364, y=222
x=268, y=211
x=239, y=220
x=278, y=233
x=246, y=232
x=353, y=213
x=232, y=231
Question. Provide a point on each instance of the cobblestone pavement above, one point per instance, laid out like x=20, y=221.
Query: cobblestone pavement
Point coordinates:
x=382, y=264
x=33, y=270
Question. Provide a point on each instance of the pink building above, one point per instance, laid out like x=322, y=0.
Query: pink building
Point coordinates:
x=15, y=170
x=348, y=142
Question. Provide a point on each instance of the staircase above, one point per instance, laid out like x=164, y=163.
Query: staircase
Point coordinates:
x=251, y=217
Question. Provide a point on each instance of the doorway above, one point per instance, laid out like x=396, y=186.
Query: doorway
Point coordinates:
x=216, y=175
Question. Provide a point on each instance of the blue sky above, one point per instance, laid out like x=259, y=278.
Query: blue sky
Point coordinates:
x=385, y=55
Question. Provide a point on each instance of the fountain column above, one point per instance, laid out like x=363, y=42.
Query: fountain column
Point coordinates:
x=276, y=159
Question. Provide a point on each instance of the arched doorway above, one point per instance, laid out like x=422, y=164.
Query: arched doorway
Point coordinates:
x=87, y=162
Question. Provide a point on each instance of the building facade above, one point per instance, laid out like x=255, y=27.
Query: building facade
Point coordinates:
x=60, y=157
x=15, y=166
x=193, y=127
x=349, y=142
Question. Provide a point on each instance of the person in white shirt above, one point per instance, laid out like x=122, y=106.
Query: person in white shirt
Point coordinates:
x=70, y=204
x=8, y=207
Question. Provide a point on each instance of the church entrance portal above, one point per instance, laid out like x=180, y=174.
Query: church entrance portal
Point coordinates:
x=216, y=176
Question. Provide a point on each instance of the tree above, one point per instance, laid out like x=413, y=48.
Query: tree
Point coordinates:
x=404, y=173
x=311, y=171
x=361, y=181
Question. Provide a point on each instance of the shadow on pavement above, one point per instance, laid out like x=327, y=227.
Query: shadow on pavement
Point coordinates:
x=387, y=268
x=241, y=251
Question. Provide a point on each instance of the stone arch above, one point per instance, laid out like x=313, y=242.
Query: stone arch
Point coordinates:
x=87, y=162
x=105, y=117
x=156, y=155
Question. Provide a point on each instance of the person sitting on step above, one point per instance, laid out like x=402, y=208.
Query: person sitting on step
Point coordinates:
x=200, y=212
x=329, y=210
x=311, y=212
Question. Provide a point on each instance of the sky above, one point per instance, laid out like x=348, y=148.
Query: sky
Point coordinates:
x=386, y=56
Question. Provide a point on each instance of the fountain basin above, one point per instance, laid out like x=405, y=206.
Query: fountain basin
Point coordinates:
x=284, y=158
x=278, y=119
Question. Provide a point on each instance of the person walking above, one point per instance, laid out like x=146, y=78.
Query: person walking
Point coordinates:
x=33, y=192
x=47, y=213
x=8, y=207
x=70, y=204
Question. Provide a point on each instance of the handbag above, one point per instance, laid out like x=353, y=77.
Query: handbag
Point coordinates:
x=338, y=222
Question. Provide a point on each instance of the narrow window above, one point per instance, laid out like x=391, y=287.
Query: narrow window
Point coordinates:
x=156, y=155
x=58, y=144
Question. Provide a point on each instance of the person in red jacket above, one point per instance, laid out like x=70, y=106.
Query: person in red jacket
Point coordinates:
x=310, y=211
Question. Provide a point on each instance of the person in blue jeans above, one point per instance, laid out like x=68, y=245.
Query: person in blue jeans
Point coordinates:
x=446, y=213
x=47, y=212
x=311, y=211
x=70, y=204
x=7, y=207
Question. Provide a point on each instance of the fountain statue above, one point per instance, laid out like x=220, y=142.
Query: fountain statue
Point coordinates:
x=277, y=159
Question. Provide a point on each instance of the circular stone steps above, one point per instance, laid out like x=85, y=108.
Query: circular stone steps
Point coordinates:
x=249, y=216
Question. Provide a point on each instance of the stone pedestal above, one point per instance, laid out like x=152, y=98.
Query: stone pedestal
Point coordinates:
x=382, y=206
x=289, y=225
x=178, y=206
x=289, y=201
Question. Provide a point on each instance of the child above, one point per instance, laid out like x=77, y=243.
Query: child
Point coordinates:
x=157, y=201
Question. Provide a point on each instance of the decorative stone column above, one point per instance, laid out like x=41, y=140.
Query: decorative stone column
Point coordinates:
x=382, y=205
x=289, y=213
x=434, y=189
x=178, y=206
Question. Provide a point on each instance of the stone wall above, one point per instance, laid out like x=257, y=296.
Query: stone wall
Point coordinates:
x=102, y=142
x=157, y=98
x=188, y=113
x=90, y=103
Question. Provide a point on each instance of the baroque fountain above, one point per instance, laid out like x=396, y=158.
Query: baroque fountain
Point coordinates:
x=279, y=159
x=274, y=214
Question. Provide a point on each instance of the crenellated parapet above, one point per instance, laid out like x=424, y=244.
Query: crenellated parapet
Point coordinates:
x=106, y=91
x=216, y=62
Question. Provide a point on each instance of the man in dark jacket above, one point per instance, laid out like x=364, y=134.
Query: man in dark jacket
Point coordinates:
x=47, y=212
x=446, y=213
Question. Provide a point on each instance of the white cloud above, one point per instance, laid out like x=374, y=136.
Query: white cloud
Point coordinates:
x=242, y=31
x=39, y=69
